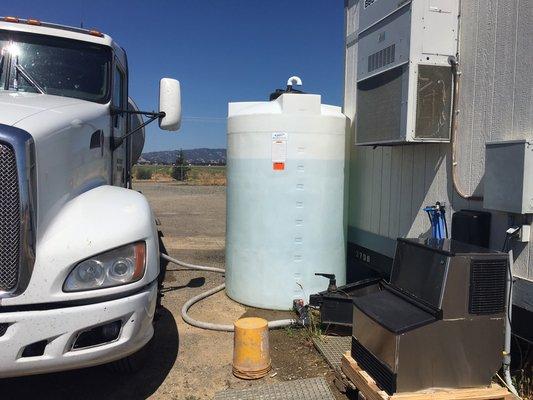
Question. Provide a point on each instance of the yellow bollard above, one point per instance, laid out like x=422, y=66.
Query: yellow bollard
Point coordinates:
x=251, y=351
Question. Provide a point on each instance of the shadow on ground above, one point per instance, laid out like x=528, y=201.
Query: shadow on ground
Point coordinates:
x=100, y=382
x=193, y=283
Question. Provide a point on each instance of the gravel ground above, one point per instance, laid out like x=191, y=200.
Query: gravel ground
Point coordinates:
x=185, y=363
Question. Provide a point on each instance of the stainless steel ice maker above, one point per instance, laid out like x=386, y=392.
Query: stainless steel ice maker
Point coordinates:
x=439, y=323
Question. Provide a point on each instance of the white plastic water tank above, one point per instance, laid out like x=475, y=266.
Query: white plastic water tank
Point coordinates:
x=285, y=196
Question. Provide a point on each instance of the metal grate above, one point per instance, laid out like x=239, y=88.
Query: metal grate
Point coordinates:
x=3, y=329
x=381, y=58
x=368, y=3
x=332, y=348
x=308, y=389
x=381, y=373
x=9, y=219
x=487, y=286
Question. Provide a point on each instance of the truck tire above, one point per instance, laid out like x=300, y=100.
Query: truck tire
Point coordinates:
x=162, y=272
x=162, y=262
x=132, y=363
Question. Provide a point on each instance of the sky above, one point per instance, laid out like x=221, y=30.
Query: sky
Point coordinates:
x=220, y=50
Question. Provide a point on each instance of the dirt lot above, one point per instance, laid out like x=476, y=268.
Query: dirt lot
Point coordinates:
x=186, y=363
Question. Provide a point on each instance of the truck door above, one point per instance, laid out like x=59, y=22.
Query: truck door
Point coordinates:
x=119, y=125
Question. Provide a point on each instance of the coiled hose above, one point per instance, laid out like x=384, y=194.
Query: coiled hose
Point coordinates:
x=282, y=323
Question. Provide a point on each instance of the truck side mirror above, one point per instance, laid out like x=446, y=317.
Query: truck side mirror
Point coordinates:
x=170, y=104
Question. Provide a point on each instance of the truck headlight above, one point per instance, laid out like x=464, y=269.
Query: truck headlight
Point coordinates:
x=115, y=267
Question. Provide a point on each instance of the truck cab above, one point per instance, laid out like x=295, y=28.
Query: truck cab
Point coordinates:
x=79, y=250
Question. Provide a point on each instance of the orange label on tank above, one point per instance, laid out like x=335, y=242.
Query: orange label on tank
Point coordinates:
x=279, y=151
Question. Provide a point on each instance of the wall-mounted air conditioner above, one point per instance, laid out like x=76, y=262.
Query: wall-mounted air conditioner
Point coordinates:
x=404, y=76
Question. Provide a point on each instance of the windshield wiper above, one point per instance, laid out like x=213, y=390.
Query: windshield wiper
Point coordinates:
x=29, y=78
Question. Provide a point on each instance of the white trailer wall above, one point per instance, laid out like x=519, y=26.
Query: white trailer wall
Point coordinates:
x=389, y=186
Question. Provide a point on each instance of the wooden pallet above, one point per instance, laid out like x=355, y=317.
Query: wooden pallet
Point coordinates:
x=370, y=390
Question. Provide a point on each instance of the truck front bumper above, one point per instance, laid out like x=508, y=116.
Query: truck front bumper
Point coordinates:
x=57, y=329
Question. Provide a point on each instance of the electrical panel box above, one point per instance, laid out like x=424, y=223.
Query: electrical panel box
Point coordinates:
x=404, y=76
x=508, y=182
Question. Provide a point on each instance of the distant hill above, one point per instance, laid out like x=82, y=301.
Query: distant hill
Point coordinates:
x=201, y=156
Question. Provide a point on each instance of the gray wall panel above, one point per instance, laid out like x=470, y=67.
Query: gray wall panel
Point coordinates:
x=503, y=89
x=523, y=81
x=406, y=190
x=469, y=12
x=386, y=186
x=396, y=173
x=377, y=170
x=483, y=59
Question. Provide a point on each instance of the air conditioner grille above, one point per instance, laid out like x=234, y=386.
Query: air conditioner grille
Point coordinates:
x=368, y=3
x=381, y=58
x=379, y=104
x=487, y=286
x=433, y=102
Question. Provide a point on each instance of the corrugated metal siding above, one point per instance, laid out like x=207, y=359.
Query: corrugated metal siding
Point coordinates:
x=390, y=185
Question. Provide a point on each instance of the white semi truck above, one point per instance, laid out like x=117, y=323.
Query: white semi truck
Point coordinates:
x=79, y=250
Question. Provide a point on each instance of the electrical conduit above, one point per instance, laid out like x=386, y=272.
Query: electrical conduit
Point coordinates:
x=508, y=330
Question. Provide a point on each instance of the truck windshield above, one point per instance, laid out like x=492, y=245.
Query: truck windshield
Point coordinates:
x=52, y=65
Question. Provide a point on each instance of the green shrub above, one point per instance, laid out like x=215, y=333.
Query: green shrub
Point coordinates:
x=181, y=169
x=143, y=173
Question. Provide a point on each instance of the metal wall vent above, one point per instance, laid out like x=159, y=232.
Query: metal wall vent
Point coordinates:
x=487, y=286
x=381, y=58
x=379, y=105
x=368, y=3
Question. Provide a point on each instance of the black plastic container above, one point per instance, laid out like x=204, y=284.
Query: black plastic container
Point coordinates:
x=336, y=307
x=472, y=227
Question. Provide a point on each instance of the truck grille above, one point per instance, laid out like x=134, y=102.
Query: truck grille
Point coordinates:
x=9, y=219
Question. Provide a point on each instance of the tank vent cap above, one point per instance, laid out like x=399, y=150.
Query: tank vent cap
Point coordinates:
x=292, y=81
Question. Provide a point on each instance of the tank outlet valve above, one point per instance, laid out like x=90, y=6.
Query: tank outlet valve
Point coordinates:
x=332, y=287
x=302, y=310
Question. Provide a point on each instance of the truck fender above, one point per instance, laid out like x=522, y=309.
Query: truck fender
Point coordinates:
x=96, y=221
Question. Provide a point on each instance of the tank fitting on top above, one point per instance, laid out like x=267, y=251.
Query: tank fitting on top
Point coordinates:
x=293, y=80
